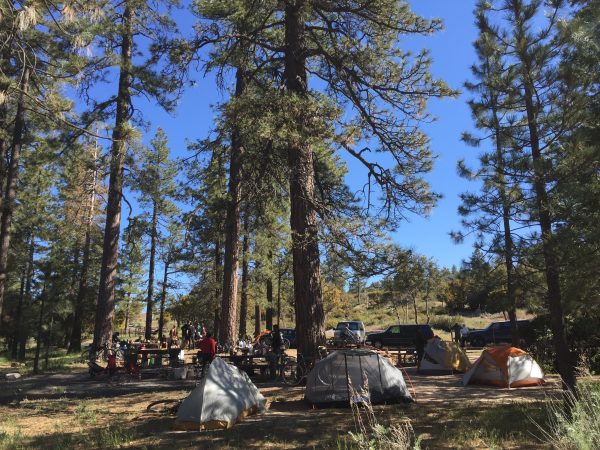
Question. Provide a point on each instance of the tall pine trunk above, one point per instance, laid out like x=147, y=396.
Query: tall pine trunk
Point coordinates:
x=163, y=299
x=257, y=327
x=110, y=251
x=508, y=241
x=127, y=305
x=12, y=176
x=269, y=312
x=244, y=296
x=308, y=301
x=564, y=359
x=150, y=298
x=232, y=231
x=16, y=337
x=75, y=341
x=218, y=267
x=38, y=344
x=25, y=289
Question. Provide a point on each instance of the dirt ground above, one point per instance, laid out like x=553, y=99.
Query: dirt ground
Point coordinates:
x=71, y=411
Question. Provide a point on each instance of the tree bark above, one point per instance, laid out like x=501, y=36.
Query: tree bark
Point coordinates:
x=110, y=251
x=12, y=176
x=218, y=284
x=75, y=341
x=508, y=242
x=127, y=304
x=257, y=327
x=163, y=299
x=564, y=361
x=308, y=301
x=150, y=297
x=25, y=289
x=269, y=312
x=415, y=308
x=279, y=276
x=16, y=337
x=232, y=231
x=38, y=346
x=244, y=296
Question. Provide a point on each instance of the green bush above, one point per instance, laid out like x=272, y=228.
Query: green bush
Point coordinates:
x=443, y=322
x=581, y=428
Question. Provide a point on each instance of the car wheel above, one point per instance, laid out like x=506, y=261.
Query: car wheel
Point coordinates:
x=377, y=344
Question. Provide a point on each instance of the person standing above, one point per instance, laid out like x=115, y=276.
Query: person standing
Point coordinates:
x=208, y=350
x=456, y=332
x=420, y=341
x=276, y=340
x=192, y=333
x=464, y=332
x=173, y=336
x=184, y=335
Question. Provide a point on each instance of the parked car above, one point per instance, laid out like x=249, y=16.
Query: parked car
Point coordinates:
x=496, y=333
x=399, y=336
x=290, y=335
x=356, y=327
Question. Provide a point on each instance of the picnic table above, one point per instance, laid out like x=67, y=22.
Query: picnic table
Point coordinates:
x=153, y=357
x=248, y=363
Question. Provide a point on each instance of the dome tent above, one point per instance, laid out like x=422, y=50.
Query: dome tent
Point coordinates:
x=442, y=358
x=505, y=366
x=336, y=378
x=223, y=397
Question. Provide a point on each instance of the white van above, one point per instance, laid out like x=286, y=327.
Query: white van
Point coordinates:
x=355, y=326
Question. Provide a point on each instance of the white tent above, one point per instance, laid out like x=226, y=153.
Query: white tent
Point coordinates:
x=505, y=366
x=442, y=357
x=351, y=375
x=224, y=396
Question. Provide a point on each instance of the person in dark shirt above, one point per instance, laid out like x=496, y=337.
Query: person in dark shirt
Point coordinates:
x=192, y=334
x=420, y=341
x=184, y=335
x=456, y=332
x=276, y=340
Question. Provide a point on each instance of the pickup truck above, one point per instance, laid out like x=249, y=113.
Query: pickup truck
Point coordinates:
x=495, y=333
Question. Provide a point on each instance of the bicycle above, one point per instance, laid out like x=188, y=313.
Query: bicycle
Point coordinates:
x=295, y=370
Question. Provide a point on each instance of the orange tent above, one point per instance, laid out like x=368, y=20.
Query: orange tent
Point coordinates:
x=505, y=366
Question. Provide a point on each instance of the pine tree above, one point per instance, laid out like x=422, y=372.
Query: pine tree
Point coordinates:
x=544, y=118
x=156, y=183
x=127, y=23
x=492, y=212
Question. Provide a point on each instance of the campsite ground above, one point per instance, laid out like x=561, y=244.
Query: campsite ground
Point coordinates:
x=67, y=410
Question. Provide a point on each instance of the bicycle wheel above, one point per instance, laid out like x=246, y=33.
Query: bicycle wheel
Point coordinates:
x=292, y=374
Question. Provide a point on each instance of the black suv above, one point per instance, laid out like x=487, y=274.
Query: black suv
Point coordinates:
x=399, y=336
x=496, y=333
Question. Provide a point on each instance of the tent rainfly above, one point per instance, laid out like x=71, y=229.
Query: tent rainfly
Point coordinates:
x=223, y=397
x=441, y=358
x=505, y=366
x=355, y=375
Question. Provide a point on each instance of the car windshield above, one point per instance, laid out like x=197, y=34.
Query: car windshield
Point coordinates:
x=352, y=325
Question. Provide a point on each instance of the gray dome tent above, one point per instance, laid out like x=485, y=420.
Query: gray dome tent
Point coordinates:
x=348, y=375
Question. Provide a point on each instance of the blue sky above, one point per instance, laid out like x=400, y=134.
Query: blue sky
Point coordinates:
x=452, y=55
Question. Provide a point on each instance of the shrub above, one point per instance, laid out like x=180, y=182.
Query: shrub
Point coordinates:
x=581, y=428
x=443, y=322
x=369, y=434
